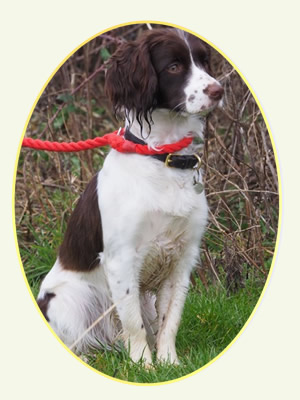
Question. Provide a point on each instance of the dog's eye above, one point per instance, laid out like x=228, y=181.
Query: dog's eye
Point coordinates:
x=174, y=68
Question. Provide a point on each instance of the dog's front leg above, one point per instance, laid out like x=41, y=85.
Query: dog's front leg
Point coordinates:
x=170, y=301
x=170, y=305
x=122, y=276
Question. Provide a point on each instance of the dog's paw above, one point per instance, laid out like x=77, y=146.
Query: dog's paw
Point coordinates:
x=167, y=356
x=138, y=354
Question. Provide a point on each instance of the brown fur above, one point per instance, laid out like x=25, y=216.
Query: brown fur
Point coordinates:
x=83, y=240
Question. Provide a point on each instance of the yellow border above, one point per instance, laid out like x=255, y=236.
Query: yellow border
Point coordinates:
x=280, y=203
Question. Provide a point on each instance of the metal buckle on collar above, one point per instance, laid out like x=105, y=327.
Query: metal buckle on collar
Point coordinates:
x=199, y=161
x=169, y=159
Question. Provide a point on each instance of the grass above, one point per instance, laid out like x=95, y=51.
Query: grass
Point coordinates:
x=211, y=320
x=212, y=316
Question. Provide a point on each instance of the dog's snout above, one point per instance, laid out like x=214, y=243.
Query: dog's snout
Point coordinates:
x=214, y=91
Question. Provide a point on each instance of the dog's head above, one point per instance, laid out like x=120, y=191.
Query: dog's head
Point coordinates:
x=164, y=68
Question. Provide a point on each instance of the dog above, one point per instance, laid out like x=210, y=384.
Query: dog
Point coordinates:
x=134, y=237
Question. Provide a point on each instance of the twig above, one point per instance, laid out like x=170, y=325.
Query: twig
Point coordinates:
x=92, y=326
x=242, y=191
x=95, y=73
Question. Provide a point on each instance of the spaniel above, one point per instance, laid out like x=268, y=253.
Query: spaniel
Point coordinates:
x=134, y=236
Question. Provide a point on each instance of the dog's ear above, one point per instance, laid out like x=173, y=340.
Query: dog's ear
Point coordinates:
x=131, y=80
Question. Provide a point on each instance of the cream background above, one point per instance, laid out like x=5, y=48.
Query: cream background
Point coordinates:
x=261, y=39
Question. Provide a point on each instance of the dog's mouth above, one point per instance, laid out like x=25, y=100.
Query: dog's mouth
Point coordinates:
x=205, y=110
x=202, y=107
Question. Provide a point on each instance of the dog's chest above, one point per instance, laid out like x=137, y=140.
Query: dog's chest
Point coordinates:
x=151, y=209
x=162, y=246
x=159, y=262
x=140, y=184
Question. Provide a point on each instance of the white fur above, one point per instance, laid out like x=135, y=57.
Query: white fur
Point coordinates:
x=196, y=99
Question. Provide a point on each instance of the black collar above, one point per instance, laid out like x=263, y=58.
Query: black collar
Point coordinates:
x=170, y=160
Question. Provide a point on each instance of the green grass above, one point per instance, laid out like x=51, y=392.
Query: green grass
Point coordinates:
x=211, y=319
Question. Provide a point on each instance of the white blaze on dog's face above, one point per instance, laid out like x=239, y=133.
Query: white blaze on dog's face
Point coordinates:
x=202, y=91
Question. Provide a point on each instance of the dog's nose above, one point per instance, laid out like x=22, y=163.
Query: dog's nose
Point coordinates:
x=214, y=91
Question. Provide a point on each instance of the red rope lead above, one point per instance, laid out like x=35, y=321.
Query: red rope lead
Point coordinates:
x=116, y=141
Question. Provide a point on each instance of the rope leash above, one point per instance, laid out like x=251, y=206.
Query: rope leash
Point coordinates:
x=114, y=139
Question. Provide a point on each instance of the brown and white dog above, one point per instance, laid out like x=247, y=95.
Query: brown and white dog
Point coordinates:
x=134, y=236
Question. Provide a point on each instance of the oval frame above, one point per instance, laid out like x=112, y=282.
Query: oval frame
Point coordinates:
x=279, y=201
